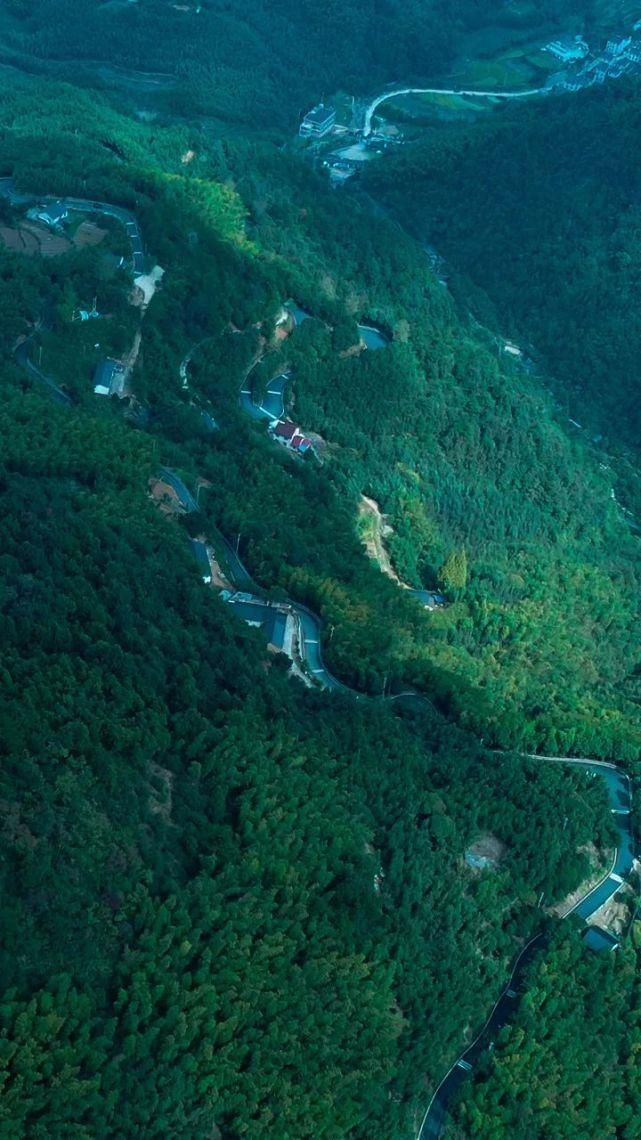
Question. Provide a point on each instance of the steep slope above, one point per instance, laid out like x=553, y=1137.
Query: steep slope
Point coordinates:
x=463, y=450
x=233, y=905
x=537, y=210
x=221, y=893
x=257, y=66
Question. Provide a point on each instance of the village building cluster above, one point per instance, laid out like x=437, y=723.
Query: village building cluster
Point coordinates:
x=620, y=56
x=581, y=67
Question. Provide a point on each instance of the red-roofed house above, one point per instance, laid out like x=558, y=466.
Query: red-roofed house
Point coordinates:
x=285, y=430
x=290, y=435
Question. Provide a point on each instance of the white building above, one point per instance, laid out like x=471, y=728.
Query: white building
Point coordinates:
x=568, y=49
x=617, y=47
x=52, y=215
x=317, y=122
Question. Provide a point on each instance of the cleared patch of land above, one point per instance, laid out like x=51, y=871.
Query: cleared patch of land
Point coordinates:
x=485, y=853
x=373, y=528
x=33, y=239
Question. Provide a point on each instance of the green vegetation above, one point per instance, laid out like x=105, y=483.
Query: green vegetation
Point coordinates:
x=234, y=906
x=568, y=1066
x=461, y=449
x=461, y=452
x=537, y=212
x=258, y=66
x=163, y=969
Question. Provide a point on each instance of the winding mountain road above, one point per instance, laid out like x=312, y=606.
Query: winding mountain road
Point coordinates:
x=372, y=107
x=132, y=229
x=309, y=623
x=87, y=206
x=618, y=783
x=620, y=793
x=21, y=353
x=272, y=406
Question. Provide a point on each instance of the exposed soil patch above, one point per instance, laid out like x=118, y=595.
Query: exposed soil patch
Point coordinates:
x=33, y=239
x=485, y=853
x=165, y=497
x=374, y=529
x=615, y=914
x=88, y=233
x=146, y=284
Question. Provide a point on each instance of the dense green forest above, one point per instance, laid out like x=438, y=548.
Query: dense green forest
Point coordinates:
x=568, y=1067
x=537, y=210
x=233, y=905
x=463, y=450
x=223, y=893
x=259, y=66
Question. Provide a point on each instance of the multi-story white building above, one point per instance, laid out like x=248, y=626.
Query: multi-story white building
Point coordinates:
x=317, y=122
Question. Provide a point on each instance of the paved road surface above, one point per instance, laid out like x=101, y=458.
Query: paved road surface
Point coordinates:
x=369, y=112
x=620, y=793
x=185, y=496
x=128, y=220
x=23, y=358
x=272, y=406
x=617, y=782
x=311, y=629
x=310, y=623
x=436, y=1114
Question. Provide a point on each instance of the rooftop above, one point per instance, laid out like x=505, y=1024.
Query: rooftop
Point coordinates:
x=285, y=429
x=109, y=377
x=53, y=212
x=600, y=940
x=276, y=629
x=568, y=47
x=319, y=115
x=271, y=621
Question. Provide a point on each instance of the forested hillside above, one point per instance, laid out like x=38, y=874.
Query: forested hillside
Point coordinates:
x=462, y=449
x=568, y=1066
x=538, y=211
x=193, y=934
x=234, y=905
x=257, y=65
